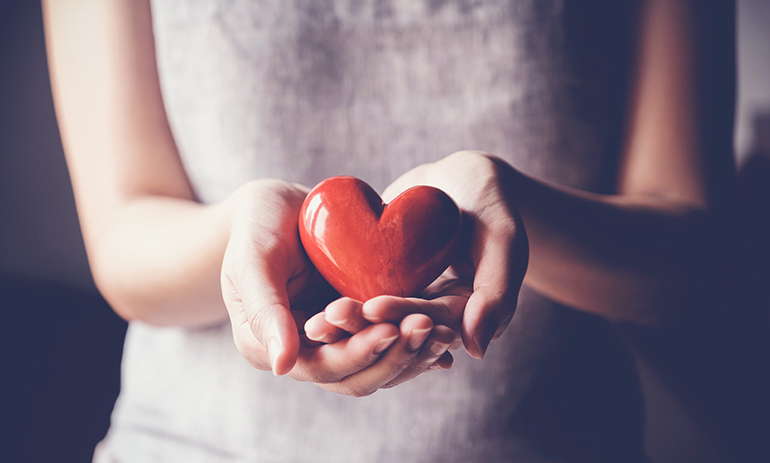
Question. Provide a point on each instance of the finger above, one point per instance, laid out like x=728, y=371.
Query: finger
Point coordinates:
x=415, y=330
x=318, y=329
x=262, y=288
x=300, y=319
x=433, y=349
x=244, y=339
x=347, y=314
x=262, y=256
x=444, y=362
x=444, y=310
x=331, y=363
x=500, y=254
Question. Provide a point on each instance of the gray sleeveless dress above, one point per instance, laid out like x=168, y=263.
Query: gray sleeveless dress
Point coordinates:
x=307, y=89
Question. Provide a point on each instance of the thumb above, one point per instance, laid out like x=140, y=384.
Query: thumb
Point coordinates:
x=267, y=309
x=500, y=253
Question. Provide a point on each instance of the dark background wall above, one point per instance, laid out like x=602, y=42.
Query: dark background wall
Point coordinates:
x=61, y=343
x=38, y=226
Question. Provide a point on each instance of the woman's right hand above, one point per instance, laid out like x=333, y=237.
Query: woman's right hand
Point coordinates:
x=270, y=289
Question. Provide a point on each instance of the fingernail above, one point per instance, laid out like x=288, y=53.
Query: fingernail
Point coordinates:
x=438, y=348
x=336, y=321
x=273, y=349
x=322, y=339
x=366, y=312
x=486, y=331
x=327, y=338
x=384, y=344
x=417, y=338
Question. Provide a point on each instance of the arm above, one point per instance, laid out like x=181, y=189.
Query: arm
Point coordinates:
x=641, y=254
x=160, y=257
x=645, y=252
x=154, y=253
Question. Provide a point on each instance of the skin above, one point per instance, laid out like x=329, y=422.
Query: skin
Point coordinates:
x=160, y=257
x=643, y=254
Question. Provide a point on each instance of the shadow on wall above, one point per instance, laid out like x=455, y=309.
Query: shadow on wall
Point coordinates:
x=716, y=360
x=751, y=254
x=748, y=405
x=39, y=233
x=61, y=343
x=62, y=373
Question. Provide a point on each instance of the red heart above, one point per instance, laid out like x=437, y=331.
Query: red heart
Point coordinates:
x=365, y=248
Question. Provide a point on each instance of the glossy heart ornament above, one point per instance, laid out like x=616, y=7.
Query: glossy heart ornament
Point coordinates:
x=365, y=248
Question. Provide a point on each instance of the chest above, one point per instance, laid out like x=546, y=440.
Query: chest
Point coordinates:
x=309, y=89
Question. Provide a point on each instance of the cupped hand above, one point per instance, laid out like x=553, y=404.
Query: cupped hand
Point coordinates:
x=477, y=295
x=427, y=345
x=270, y=288
x=495, y=254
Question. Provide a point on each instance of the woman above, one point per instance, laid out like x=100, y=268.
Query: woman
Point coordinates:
x=612, y=130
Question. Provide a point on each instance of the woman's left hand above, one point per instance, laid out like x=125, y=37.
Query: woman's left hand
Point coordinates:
x=477, y=295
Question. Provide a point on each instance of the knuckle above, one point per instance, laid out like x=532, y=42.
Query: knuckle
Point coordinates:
x=480, y=160
x=357, y=390
x=270, y=247
x=256, y=319
x=391, y=384
x=238, y=265
x=306, y=376
x=260, y=317
x=464, y=155
x=502, y=225
x=353, y=392
x=408, y=364
x=268, y=187
x=415, y=369
x=318, y=371
x=323, y=377
x=361, y=362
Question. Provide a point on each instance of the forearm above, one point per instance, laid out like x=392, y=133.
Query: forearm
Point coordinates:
x=628, y=257
x=159, y=260
x=651, y=249
x=154, y=252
